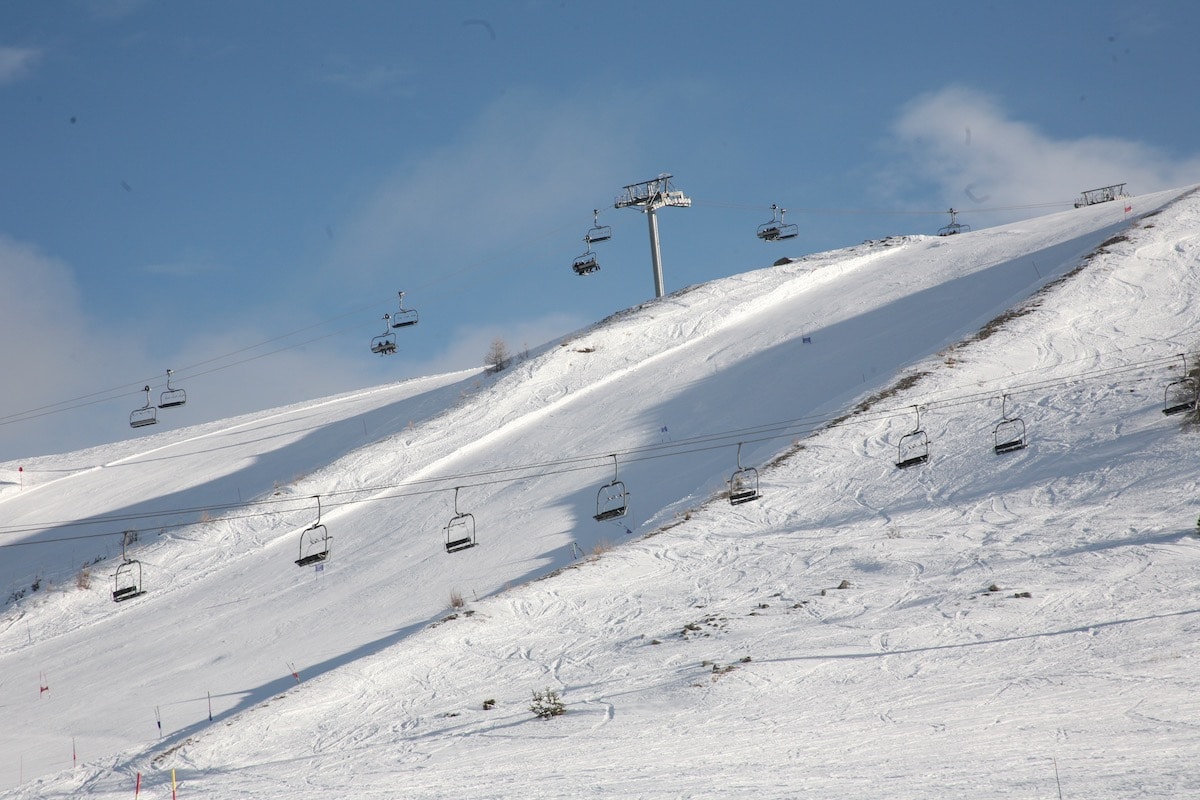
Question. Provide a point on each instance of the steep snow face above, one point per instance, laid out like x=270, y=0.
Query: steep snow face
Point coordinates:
x=997, y=613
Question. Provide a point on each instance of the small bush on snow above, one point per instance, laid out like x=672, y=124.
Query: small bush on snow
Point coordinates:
x=547, y=703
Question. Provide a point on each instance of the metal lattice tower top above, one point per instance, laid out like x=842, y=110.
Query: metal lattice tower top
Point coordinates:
x=653, y=194
x=650, y=196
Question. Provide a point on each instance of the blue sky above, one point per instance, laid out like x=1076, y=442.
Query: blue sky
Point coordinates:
x=237, y=190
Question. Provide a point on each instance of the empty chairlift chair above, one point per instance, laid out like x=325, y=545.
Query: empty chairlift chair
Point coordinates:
x=460, y=530
x=776, y=230
x=127, y=580
x=598, y=232
x=914, y=447
x=612, y=501
x=1009, y=434
x=315, y=541
x=171, y=398
x=405, y=316
x=743, y=484
x=146, y=415
x=1180, y=395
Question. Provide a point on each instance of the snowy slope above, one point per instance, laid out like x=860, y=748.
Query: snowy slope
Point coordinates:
x=913, y=678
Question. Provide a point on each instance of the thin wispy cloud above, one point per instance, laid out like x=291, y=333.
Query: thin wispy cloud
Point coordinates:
x=973, y=153
x=369, y=79
x=498, y=184
x=17, y=62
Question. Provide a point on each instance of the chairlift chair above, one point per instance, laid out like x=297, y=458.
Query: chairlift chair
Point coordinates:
x=776, y=230
x=385, y=343
x=914, y=447
x=146, y=415
x=954, y=227
x=743, y=484
x=460, y=530
x=171, y=398
x=127, y=580
x=1180, y=395
x=598, y=232
x=314, y=541
x=586, y=263
x=405, y=316
x=612, y=501
x=1009, y=434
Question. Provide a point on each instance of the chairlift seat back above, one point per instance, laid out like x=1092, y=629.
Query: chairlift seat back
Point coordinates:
x=172, y=398
x=913, y=449
x=460, y=533
x=611, y=501
x=404, y=318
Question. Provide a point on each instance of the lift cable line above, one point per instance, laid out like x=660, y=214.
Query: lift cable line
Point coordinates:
x=876, y=212
x=507, y=475
x=136, y=387
x=764, y=432
x=650, y=196
x=192, y=371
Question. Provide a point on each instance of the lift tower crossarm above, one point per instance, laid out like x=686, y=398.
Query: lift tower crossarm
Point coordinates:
x=650, y=196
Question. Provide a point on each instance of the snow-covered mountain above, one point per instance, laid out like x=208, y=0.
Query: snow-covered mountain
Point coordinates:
x=978, y=622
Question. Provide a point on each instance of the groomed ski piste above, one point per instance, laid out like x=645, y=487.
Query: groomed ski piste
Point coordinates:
x=1016, y=625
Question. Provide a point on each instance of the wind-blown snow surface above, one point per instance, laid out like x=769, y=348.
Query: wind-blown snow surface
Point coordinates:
x=717, y=657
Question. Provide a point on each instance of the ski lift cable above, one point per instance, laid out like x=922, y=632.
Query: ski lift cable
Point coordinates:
x=532, y=471
x=127, y=389
x=193, y=371
x=872, y=212
x=764, y=432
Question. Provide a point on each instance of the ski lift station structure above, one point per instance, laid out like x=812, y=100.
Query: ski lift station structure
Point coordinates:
x=650, y=196
x=1104, y=194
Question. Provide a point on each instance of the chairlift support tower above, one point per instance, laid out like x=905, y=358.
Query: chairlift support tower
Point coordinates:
x=650, y=196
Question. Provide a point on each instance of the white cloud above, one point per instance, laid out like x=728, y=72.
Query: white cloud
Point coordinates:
x=16, y=62
x=966, y=145
x=498, y=186
x=373, y=79
x=50, y=348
